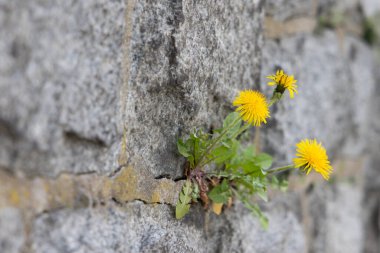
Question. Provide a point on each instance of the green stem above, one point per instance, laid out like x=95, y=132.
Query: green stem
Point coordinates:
x=280, y=169
x=242, y=129
x=219, y=174
x=218, y=139
x=275, y=98
x=206, y=162
x=271, y=102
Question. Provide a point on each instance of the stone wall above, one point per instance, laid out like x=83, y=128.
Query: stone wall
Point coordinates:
x=94, y=95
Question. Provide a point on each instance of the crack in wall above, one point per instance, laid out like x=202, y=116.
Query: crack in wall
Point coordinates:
x=39, y=195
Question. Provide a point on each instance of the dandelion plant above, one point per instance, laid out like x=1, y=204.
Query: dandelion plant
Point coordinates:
x=221, y=169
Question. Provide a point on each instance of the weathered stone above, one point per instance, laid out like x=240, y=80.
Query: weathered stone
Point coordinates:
x=187, y=61
x=60, y=79
x=146, y=228
x=371, y=7
x=12, y=230
x=333, y=218
x=282, y=10
x=136, y=228
x=344, y=221
x=277, y=29
x=283, y=235
x=68, y=190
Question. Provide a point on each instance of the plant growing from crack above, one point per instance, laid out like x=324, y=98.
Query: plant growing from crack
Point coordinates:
x=221, y=169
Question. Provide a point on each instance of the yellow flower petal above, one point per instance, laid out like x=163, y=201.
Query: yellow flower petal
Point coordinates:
x=252, y=107
x=312, y=155
x=284, y=81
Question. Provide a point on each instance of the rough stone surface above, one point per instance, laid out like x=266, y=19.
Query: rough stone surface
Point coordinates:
x=12, y=230
x=371, y=7
x=59, y=78
x=282, y=10
x=344, y=229
x=188, y=59
x=283, y=235
x=141, y=228
x=138, y=228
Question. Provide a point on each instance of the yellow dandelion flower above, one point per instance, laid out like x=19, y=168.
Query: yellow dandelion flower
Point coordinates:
x=252, y=106
x=283, y=82
x=312, y=155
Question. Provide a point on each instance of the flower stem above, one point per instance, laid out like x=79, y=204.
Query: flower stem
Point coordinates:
x=218, y=174
x=280, y=169
x=275, y=98
x=242, y=129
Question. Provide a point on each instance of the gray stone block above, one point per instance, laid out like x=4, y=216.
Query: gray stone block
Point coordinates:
x=59, y=84
x=152, y=228
x=12, y=230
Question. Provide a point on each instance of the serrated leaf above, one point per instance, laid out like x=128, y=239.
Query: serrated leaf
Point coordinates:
x=195, y=193
x=264, y=221
x=264, y=161
x=246, y=183
x=183, y=203
x=263, y=195
x=249, y=153
x=191, y=161
x=220, y=193
x=284, y=185
x=229, y=120
x=199, y=142
x=255, y=209
x=250, y=167
x=225, y=151
x=183, y=149
x=196, y=148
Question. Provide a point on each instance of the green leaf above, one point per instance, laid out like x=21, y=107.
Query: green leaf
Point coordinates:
x=256, y=211
x=246, y=183
x=197, y=149
x=264, y=161
x=183, y=148
x=249, y=153
x=229, y=120
x=263, y=195
x=195, y=193
x=225, y=151
x=199, y=142
x=264, y=221
x=183, y=203
x=220, y=193
x=282, y=184
x=250, y=167
x=194, y=147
